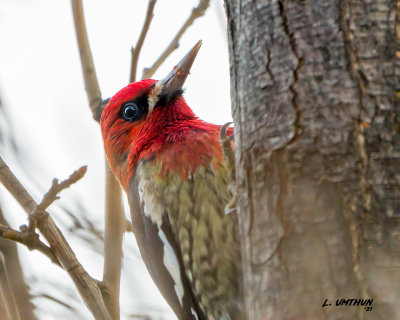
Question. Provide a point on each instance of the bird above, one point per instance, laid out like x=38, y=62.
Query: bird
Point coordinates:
x=170, y=164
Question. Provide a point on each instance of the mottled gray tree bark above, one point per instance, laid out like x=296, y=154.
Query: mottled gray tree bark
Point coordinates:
x=317, y=142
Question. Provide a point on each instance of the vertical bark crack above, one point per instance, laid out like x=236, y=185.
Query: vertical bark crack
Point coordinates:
x=297, y=67
x=268, y=66
x=306, y=135
x=364, y=189
x=353, y=65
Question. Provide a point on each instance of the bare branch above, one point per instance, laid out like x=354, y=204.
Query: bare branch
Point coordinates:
x=114, y=229
x=89, y=72
x=87, y=286
x=56, y=188
x=82, y=222
x=115, y=224
x=196, y=13
x=29, y=239
x=14, y=272
x=139, y=44
x=114, y=211
x=3, y=308
x=11, y=183
x=58, y=301
x=140, y=316
x=7, y=291
x=52, y=195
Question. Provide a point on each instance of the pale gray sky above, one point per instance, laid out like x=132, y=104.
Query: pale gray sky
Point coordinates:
x=42, y=89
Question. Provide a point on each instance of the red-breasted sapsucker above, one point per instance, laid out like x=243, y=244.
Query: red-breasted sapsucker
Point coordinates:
x=170, y=164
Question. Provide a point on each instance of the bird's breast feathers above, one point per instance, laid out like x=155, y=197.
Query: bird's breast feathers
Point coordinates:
x=187, y=189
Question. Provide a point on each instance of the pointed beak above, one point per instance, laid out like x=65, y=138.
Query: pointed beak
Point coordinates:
x=176, y=78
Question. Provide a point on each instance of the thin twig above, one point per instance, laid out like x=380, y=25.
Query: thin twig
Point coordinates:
x=52, y=195
x=136, y=51
x=29, y=239
x=56, y=187
x=89, y=72
x=7, y=291
x=196, y=13
x=58, y=301
x=139, y=316
x=86, y=285
x=84, y=223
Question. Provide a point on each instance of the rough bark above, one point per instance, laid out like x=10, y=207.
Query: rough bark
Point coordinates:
x=317, y=142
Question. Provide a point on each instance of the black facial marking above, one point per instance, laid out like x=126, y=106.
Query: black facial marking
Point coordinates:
x=135, y=110
x=165, y=99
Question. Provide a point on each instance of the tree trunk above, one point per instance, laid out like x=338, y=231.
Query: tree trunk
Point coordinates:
x=317, y=142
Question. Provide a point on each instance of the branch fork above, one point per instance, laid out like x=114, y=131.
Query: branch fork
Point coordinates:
x=59, y=247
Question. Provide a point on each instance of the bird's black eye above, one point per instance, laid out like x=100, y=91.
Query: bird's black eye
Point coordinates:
x=131, y=112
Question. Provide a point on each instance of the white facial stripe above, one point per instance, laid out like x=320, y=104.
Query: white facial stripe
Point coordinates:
x=154, y=96
x=171, y=263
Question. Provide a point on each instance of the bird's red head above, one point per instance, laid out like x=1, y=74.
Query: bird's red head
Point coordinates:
x=146, y=116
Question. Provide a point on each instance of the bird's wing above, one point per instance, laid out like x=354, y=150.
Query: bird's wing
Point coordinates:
x=157, y=245
x=188, y=211
x=205, y=235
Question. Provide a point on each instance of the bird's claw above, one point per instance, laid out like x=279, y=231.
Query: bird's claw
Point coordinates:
x=224, y=131
x=230, y=208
